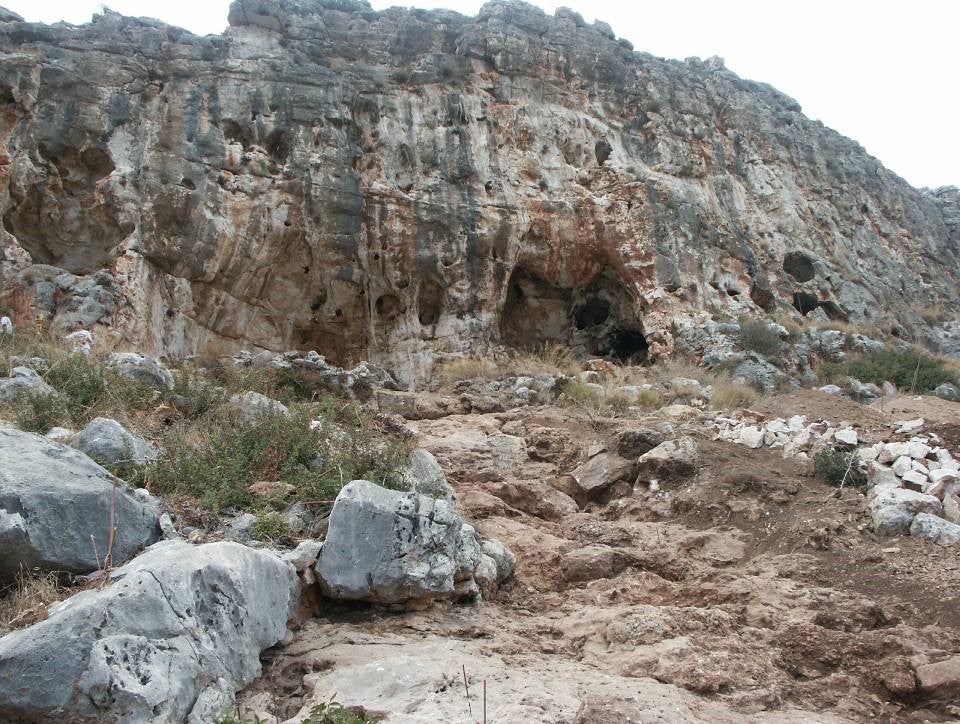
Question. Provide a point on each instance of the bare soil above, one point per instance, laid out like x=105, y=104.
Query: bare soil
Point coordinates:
x=747, y=592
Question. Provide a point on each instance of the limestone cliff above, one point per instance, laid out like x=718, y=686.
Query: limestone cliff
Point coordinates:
x=390, y=185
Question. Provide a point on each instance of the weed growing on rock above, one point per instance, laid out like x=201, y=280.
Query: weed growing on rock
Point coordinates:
x=25, y=602
x=271, y=527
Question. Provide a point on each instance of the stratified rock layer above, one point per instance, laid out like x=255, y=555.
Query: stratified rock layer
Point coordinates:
x=389, y=185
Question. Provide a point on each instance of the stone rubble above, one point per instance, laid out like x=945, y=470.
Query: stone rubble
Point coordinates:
x=907, y=477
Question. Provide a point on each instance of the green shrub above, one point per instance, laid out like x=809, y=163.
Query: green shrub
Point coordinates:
x=831, y=465
x=216, y=458
x=271, y=527
x=333, y=712
x=897, y=366
x=37, y=412
x=757, y=335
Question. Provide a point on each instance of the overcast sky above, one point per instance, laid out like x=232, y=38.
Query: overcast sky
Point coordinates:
x=884, y=72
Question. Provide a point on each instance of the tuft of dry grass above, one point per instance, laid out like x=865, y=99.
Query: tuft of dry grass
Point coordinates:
x=466, y=368
x=27, y=600
x=550, y=359
x=728, y=395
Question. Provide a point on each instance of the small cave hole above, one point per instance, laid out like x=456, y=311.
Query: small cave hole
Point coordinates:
x=318, y=301
x=339, y=313
x=388, y=307
x=429, y=302
x=594, y=313
x=805, y=303
x=188, y=184
x=278, y=145
x=799, y=266
x=602, y=151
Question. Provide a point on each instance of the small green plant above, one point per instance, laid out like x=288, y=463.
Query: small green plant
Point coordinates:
x=38, y=412
x=581, y=394
x=757, y=335
x=839, y=467
x=271, y=527
x=333, y=712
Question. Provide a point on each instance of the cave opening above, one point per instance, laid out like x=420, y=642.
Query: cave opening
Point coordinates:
x=429, y=302
x=799, y=265
x=388, y=307
x=594, y=312
x=805, y=303
x=628, y=345
x=535, y=311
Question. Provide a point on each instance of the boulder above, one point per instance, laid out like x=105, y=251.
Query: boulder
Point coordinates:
x=56, y=506
x=893, y=509
x=758, y=373
x=947, y=391
x=588, y=563
x=934, y=528
x=109, y=443
x=846, y=438
x=597, y=475
x=21, y=381
x=179, y=631
x=670, y=460
x=251, y=407
x=634, y=443
x=141, y=369
x=389, y=546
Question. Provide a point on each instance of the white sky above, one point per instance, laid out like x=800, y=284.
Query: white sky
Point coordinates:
x=884, y=72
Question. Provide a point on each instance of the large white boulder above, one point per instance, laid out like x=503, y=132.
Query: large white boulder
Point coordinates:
x=55, y=505
x=175, y=636
x=389, y=546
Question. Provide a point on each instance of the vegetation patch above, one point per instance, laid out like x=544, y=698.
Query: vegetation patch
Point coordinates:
x=909, y=369
x=840, y=467
x=759, y=336
x=318, y=449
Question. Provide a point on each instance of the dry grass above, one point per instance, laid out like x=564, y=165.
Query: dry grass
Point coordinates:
x=551, y=359
x=27, y=601
x=728, y=395
x=466, y=368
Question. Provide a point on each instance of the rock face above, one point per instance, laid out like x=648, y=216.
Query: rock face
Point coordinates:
x=55, y=507
x=387, y=546
x=178, y=633
x=388, y=185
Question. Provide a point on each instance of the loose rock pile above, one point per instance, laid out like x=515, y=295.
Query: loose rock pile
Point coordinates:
x=914, y=483
x=793, y=435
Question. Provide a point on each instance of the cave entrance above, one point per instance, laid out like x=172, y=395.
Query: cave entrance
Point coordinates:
x=805, y=303
x=799, y=265
x=629, y=345
x=535, y=311
x=429, y=302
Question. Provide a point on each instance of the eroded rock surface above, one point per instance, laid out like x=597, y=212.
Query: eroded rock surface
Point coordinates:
x=386, y=185
x=175, y=636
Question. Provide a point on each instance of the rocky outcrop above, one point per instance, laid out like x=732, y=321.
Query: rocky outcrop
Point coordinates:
x=55, y=509
x=177, y=633
x=386, y=185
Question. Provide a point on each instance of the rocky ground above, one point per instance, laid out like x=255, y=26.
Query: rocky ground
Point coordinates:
x=743, y=589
